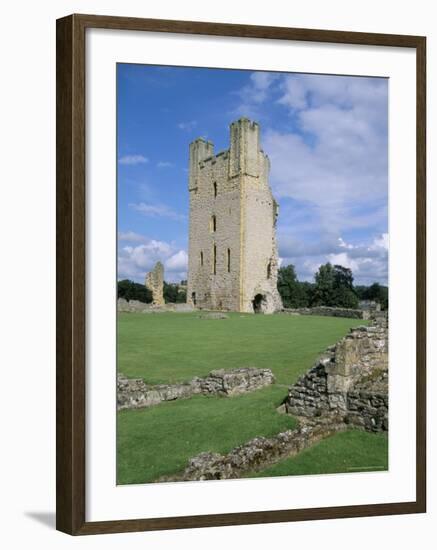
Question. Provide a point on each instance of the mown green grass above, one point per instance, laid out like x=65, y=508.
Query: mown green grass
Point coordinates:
x=173, y=347
x=159, y=441
x=351, y=451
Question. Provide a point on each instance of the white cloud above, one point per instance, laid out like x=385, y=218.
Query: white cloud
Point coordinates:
x=254, y=94
x=261, y=83
x=132, y=160
x=380, y=242
x=294, y=94
x=157, y=211
x=333, y=157
x=177, y=262
x=187, y=126
x=131, y=237
x=368, y=262
x=340, y=171
x=343, y=259
x=135, y=261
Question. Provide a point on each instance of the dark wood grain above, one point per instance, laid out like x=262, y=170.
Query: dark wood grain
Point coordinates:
x=70, y=276
x=247, y=31
x=71, y=273
x=421, y=274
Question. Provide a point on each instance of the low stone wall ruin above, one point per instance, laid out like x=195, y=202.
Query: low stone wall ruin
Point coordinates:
x=326, y=311
x=350, y=379
x=135, y=393
x=131, y=306
x=257, y=454
x=367, y=404
x=135, y=306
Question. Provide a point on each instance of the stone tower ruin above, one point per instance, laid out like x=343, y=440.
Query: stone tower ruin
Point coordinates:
x=233, y=258
x=155, y=283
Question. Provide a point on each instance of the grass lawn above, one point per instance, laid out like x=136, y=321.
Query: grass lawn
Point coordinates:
x=351, y=451
x=174, y=347
x=171, y=347
x=159, y=440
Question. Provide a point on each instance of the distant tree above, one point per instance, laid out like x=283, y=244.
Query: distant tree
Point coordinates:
x=378, y=293
x=129, y=290
x=361, y=291
x=174, y=293
x=286, y=282
x=324, y=288
x=334, y=287
x=181, y=298
x=345, y=297
x=343, y=277
x=170, y=292
x=293, y=293
x=308, y=289
x=344, y=294
x=375, y=292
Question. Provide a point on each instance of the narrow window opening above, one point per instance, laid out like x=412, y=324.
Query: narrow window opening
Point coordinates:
x=214, y=260
x=269, y=270
x=201, y=258
x=229, y=260
x=215, y=188
x=213, y=224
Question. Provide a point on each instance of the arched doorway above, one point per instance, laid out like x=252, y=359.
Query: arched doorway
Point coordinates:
x=193, y=298
x=257, y=303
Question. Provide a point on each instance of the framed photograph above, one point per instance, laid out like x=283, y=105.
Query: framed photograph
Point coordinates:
x=240, y=274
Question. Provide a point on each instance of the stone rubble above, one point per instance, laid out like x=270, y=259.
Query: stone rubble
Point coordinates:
x=135, y=306
x=135, y=393
x=213, y=315
x=326, y=311
x=257, y=454
x=351, y=379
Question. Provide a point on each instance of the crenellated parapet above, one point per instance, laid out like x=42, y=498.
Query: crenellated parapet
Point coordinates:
x=233, y=256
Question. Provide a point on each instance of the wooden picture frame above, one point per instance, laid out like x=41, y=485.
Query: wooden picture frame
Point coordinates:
x=71, y=254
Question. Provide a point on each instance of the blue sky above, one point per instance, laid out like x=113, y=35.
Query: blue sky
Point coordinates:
x=326, y=137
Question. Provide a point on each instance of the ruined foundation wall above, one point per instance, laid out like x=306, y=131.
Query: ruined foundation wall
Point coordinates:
x=326, y=311
x=350, y=379
x=257, y=454
x=135, y=306
x=134, y=393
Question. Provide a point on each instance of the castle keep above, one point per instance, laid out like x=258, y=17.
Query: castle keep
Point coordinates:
x=233, y=259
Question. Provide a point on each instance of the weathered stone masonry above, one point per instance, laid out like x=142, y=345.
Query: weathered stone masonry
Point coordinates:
x=326, y=311
x=135, y=306
x=350, y=380
x=155, y=283
x=257, y=454
x=135, y=393
x=233, y=259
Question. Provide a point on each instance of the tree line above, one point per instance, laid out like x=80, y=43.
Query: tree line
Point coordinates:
x=333, y=286
x=173, y=292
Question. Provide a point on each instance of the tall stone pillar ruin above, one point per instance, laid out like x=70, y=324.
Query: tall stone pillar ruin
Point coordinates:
x=155, y=283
